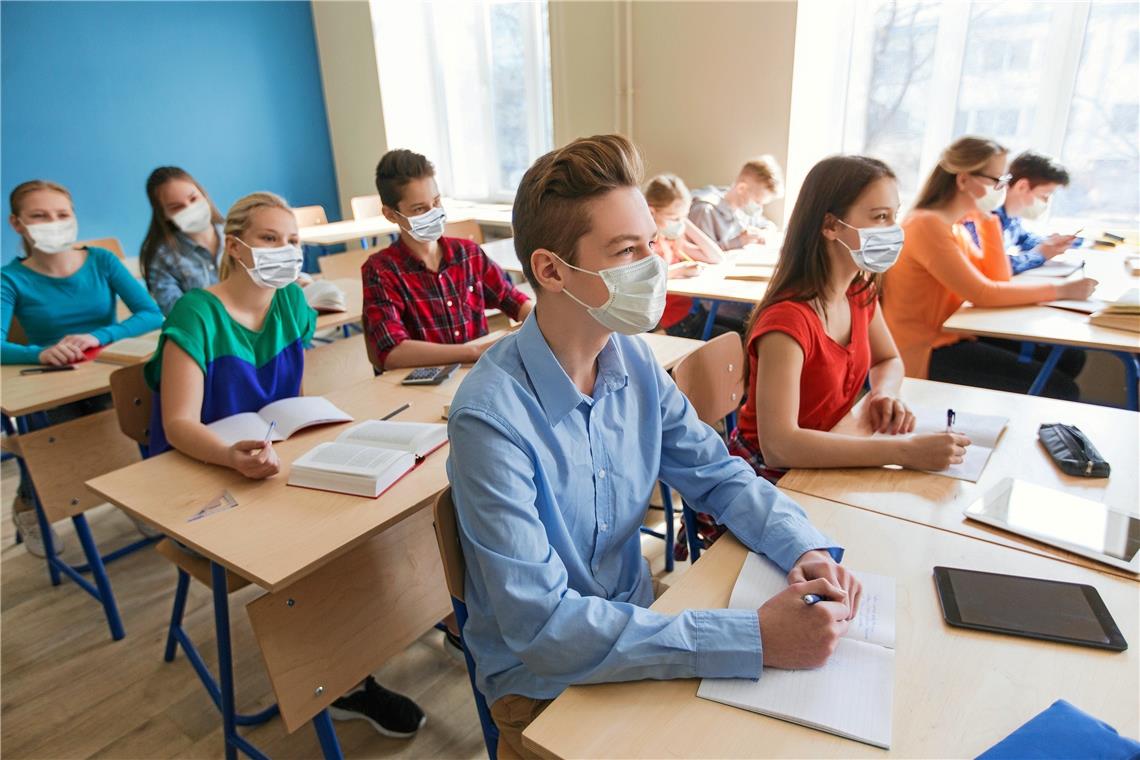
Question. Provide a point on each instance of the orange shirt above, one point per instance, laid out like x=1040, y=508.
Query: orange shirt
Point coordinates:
x=938, y=270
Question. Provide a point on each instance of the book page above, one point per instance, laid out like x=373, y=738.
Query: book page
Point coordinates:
x=292, y=414
x=350, y=459
x=417, y=437
x=247, y=426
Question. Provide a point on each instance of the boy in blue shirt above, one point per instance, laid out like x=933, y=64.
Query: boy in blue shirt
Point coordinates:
x=558, y=436
x=1033, y=180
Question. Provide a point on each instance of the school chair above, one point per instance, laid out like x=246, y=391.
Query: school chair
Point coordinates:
x=468, y=229
x=309, y=216
x=454, y=570
x=133, y=405
x=712, y=378
x=366, y=207
x=336, y=365
x=111, y=244
x=343, y=266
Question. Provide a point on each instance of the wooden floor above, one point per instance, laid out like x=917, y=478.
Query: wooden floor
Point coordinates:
x=68, y=691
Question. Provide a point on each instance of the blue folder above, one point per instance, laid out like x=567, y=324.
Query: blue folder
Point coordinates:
x=1063, y=731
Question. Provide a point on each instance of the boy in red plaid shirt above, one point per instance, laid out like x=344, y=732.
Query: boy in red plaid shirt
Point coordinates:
x=425, y=296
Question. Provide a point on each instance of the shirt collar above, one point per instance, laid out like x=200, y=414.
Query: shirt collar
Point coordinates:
x=556, y=393
x=413, y=264
x=189, y=244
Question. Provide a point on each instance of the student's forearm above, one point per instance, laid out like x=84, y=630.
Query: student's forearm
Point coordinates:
x=420, y=353
x=887, y=376
x=817, y=448
x=195, y=440
x=16, y=353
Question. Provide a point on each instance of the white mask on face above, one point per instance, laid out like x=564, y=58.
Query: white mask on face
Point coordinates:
x=1036, y=208
x=194, y=218
x=879, y=247
x=428, y=226
x=991, y=200
x=674, y=230
x=274, y=267
x=752, y=208
x=637, y=295
x=54, y=237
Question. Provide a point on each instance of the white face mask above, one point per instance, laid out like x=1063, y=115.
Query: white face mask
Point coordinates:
x=428, y=226
x=752, y=208
x=274, y=267
x=637, y=295
x=54, y=237
x=1035, y=209
x=674, y=230
x=194, y=218
x=991, y=200
x=879, y=247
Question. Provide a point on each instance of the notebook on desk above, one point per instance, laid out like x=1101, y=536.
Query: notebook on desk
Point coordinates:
x=852, y=695
x=290, y=414
x=983, y=430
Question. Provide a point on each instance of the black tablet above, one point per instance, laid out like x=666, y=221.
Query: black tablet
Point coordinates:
x=1071, y=613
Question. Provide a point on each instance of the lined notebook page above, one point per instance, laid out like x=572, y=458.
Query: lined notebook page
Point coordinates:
x=852, y=695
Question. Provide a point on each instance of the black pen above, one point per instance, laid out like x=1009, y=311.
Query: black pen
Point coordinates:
x=394, y=412
x=950, y=417
x=810, y=599
x=47, y=368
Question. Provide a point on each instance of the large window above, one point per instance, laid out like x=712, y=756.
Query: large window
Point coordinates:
x=1062, y=78
x=467, y=83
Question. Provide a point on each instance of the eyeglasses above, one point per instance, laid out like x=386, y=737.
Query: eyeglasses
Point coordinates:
x=999, y=182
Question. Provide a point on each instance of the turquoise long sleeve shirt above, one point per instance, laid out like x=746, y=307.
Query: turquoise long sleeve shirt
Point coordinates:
x=49, y=308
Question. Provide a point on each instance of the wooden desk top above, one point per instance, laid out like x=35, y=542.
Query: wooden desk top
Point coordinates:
x=24, y=394
x=938, y=501
x=1047, y=324
x=354, y=305
x=957, y=692
x=494, y=214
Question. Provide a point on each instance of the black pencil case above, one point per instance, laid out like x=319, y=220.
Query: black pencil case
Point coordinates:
x=1072, y=451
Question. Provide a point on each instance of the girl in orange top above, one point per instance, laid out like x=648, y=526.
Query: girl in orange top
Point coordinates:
x=941, y=267
x=683, y=246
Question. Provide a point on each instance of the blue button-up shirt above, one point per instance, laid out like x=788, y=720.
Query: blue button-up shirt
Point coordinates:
x=550, y=488
x=182, y=267
x=1017, y=238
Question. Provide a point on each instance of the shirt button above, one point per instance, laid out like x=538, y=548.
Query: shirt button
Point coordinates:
x=456, y=333
x=602, y=474
x=449, y=303
x=604, y=526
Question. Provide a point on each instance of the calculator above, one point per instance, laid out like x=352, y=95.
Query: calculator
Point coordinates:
x=429, y=375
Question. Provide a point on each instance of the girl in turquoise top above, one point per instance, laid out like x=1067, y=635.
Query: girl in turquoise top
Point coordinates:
x=234, y=347
x=63, y=296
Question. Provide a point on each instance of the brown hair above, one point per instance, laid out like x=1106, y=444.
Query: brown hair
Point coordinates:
x=965, y=155
x=765, y=170
x=664, y=190
x=1039, y=169
x=240, y=215
x=16, y=198
x=396, y=169
x=803, y=270
x=550, y=210
x=161, y=230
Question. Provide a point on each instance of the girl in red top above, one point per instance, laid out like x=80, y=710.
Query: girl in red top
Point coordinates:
x=683, y=246
x=819, y=334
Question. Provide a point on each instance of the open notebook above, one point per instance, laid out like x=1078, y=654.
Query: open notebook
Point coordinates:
x=290, y=414
x=325, y=296
x=983, y=430
x=852, y=695
x=368, y=458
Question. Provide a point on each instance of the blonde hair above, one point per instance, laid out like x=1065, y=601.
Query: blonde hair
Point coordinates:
x=550, y=205
x=765, y=170
x=24, y=189
x=965, y=155
x=664, y=190
x=239, y=216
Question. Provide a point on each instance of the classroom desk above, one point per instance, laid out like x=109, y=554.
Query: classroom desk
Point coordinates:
x=1060, y=328
x=490, y=214
x=957, y=692
x=938, y=501
x=24, y=394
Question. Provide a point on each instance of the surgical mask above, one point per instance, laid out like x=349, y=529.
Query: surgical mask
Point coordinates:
x=274, y=267
x=1036, y=209
x=991, y=200
x=637, y=295
x=879, y=247
x=194, y=218
x=428, y=226
x=674, y=230
x=54, y=237
x=752, y=208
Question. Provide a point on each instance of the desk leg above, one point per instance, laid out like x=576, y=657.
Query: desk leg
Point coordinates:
x=1131, y=378
x=707, y=333
x=326, y=735
x=99, y=573
x=1046, y=370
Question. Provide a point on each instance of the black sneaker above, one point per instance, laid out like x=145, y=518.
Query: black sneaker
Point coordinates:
x=453, y=645
x=392, y=714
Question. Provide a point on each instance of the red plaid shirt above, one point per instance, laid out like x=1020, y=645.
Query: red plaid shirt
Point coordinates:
x=404, y=300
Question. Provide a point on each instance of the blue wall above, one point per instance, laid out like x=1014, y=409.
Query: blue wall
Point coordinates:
x=97, y=94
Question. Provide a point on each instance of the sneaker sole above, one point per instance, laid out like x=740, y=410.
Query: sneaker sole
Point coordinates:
x=337, y=713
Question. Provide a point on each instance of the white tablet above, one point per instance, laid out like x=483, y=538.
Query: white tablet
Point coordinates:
x=1073, y=523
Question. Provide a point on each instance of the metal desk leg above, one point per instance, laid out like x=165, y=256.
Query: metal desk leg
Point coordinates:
x=233, y=741
x=1046, y=370
x=99, y=573
x=326, y=734
x=707, y=333
x=1131, y=378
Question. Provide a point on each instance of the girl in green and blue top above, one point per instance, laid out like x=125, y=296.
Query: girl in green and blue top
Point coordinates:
x=63, y=296
x=234, y=347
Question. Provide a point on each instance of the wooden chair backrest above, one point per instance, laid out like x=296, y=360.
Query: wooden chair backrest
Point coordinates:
x=450, y=550
x=307, y=216
x=468, y=228
x=336, y=365
x=111, y=244
x=365, y=206
x=133, y=401
x=343, y=266
x=713, y=377
x=16, y=332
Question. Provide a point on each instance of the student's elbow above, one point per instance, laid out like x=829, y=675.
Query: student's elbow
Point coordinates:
x=777, y=449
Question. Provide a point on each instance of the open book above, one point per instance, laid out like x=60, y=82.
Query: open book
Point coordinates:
x=1122, y=314
x=290, y=414
x=367, y=458
x=325, y=296
x=983, y=430
x=852, y=695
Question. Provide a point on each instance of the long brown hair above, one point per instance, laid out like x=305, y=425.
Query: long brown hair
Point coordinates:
x=803, y=271
x=966, y=154
x=161, y=230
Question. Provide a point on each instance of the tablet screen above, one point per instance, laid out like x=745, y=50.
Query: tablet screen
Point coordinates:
x=1029, y=605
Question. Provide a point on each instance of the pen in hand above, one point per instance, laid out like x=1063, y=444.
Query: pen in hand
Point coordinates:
x=810, y=599
x=950, y=417
x=269, y=432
